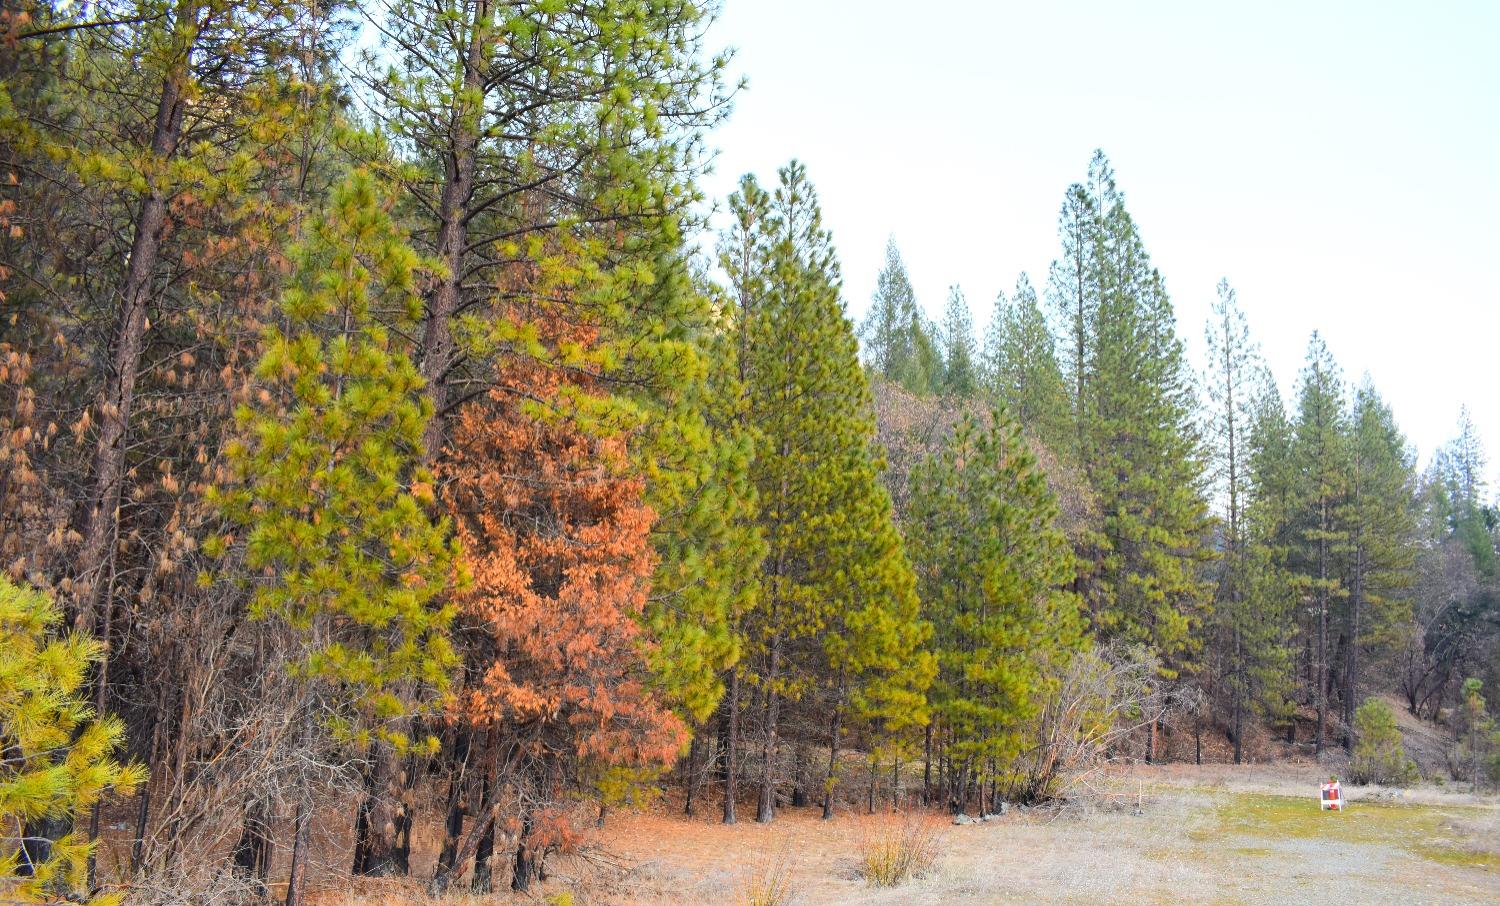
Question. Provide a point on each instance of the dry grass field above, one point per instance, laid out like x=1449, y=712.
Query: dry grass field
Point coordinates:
x=1167, y=834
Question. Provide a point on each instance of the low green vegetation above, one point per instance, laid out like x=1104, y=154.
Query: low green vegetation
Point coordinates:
x=1453, y=835
x=1379, y=756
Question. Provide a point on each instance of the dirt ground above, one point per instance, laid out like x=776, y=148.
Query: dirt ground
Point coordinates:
x=1164, y=834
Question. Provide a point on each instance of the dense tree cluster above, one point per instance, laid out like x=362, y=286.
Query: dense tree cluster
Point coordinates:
x=377, y=444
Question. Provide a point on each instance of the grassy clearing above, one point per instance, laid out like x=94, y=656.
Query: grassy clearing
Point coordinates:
x=1212, y=836
x=1452, y=835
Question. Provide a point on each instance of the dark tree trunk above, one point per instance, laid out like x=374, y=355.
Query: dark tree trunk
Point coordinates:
x=484, y=863
x=477, y=844
x=297, y=880
x=125, y=362
x=525, y=868
x=896, y=783
x=799, y=773
x=766, y=809
x=690, y=784
x=460, y=164
x=731, y=744
x=458, y=784
x=1351, y=662
x=1321, y=673
x=833, y=754
x=927, y=765
x=382, y=845
x=40, y=835
x=1239, y=728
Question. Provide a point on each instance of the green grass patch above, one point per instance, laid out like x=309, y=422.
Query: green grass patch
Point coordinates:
x=1425, y=831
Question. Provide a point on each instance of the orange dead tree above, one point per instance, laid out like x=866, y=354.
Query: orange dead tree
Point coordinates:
x=557, y=535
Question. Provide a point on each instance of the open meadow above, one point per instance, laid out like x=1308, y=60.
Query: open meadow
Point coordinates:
x=1165, y=834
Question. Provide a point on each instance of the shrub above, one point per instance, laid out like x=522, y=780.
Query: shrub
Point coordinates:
x=1477, y=754
x=896, y=852
x=1378, y=754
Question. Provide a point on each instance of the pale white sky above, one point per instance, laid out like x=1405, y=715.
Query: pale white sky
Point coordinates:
x=1336, y=161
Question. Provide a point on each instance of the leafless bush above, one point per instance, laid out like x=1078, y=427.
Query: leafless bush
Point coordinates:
x=1102, y=696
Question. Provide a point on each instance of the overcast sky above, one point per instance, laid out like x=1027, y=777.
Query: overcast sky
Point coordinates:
x=1337, y=162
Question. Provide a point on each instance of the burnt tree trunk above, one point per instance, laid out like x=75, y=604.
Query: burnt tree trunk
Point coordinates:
x=766, y=809
x=297, y=879
x=731, y=745
x=524, y=870
x=833, y=754
x=382, y=847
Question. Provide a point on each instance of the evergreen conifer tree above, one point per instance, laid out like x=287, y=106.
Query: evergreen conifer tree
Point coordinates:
x=993, y=569
x=1378, y=519
x=960, y=355
x=1021, y=369
x=59, y=756
x=1248, y=629
x=1320, y=452
x=899, y=344
x=836, y=597
x=330, y=489
x=1137, y=441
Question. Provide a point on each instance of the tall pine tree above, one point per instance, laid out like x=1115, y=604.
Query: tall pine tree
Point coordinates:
x=993, y=569
x=1320, y=452
x=836, y=602
x=1021, y=370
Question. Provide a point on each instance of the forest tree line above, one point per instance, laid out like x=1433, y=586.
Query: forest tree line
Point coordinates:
x=381, y=446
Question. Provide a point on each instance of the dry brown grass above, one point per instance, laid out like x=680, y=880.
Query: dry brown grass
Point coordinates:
x=897, y=850
x=769, y=882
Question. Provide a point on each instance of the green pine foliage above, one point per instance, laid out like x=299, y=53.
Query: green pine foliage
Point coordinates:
x=59, y=756
x=1378, y=755
x=1249, y=628
x=837, y=601
x=710, y=544
x=329, y=489
x=1134, y=430
x=1319, y=456
x=994, y=569
x=1021, y=370
x=900, y=345
x=960, y=353
x=1378, y=522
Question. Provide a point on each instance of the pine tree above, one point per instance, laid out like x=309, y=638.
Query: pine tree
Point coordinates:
x=1463, y=462
x=330, y=490
x=563, y=137
x=899, y=344
x=1074, y=288
x=1379, y=756
x=1021, y=369
x=1266, y=624
x=836, y=599
x=1247, y=633
x=960, y=357
x=538, y=124
x=1379, y=523
x=59, y=757
x=1320, y=452
x=552, y=516
x=1140, y=448
x=993, y=568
